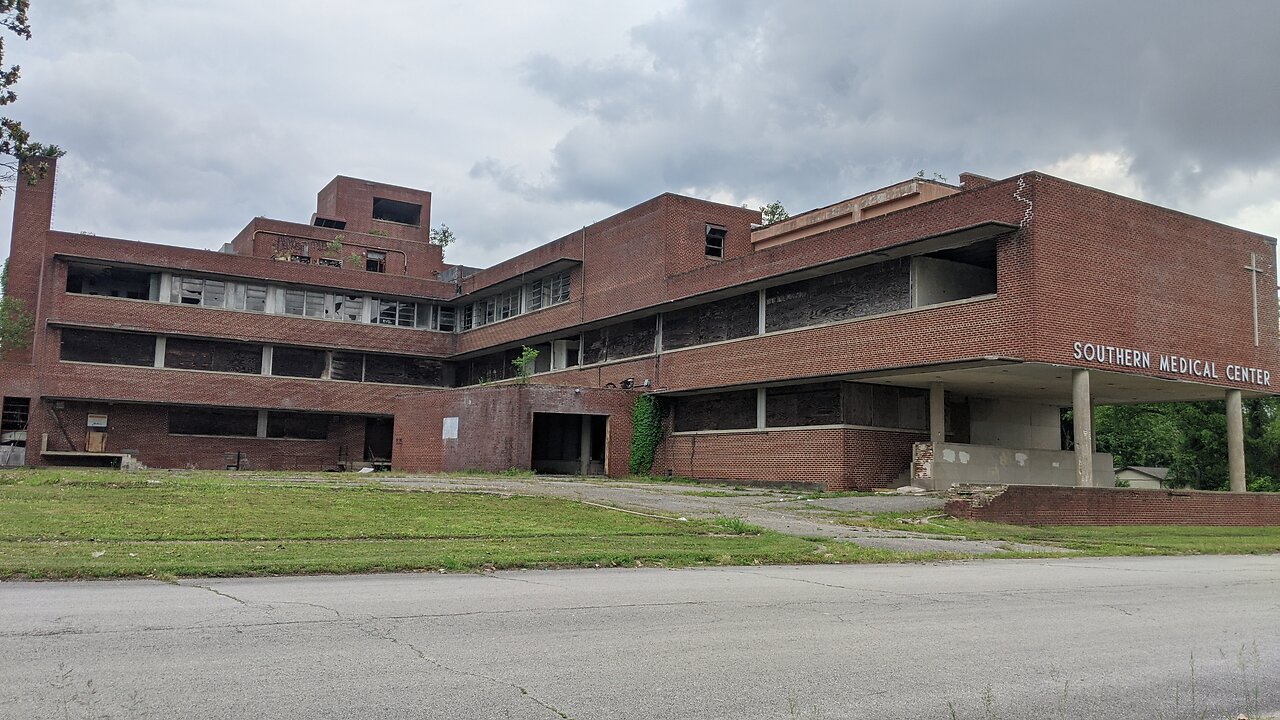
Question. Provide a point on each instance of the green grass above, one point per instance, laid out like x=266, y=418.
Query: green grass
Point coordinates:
x=85, y=523
x=1095, y=539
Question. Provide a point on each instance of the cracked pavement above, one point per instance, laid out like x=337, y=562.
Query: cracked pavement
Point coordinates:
x=771, y=509
x=1062, y=637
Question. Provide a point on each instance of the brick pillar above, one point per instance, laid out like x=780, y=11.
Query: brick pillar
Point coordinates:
x=32, y=216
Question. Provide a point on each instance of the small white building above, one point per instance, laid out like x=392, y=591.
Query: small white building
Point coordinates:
x=1142, y=477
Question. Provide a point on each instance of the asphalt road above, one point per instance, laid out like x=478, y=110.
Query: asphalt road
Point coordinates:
x=1064, y=638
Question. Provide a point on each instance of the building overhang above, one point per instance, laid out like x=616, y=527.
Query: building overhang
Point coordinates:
x=515, y=281
x=1004, y=377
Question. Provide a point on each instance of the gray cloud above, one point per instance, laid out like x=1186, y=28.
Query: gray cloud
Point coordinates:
x=812, y=101
x=185, y=120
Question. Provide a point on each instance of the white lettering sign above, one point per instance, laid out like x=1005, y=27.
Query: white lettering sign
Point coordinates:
x=1172, y=364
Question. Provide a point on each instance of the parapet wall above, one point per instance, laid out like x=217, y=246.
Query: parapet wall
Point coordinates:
x=1032, y=505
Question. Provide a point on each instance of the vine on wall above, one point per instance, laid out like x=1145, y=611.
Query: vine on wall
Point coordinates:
x=646, y=433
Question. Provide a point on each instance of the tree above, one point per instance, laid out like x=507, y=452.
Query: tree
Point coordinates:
x=774, y=212
x=524, y=363
x=28, y=158
x=16, y=323
x=442, y=236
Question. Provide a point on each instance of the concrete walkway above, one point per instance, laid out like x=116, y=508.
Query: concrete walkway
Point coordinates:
x=771, y=509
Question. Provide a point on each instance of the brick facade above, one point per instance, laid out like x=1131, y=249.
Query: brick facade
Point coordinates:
x=1071, y=265
x=1029, y=505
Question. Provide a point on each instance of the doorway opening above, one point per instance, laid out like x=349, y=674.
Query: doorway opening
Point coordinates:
x=569, y=444
x=377, y=441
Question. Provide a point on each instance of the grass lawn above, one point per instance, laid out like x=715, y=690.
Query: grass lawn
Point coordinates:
x=1094, y=539
x=73, y=523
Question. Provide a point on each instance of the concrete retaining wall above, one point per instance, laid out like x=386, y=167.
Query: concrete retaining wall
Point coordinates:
x=938, y=466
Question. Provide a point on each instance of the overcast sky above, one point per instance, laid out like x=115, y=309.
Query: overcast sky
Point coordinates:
x=527, y=120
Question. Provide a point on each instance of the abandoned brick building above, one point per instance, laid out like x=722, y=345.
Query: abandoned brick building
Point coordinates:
x=923, y=333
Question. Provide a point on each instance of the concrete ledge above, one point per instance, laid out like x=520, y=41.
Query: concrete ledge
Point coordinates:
x=1040, y=505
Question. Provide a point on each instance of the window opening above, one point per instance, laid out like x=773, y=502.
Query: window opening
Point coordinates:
x=325, y=222
x=397, y=211
x=715, y=241
x=375, y=261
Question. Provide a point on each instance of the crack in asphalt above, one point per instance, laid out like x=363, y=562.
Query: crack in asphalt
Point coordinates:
x=381, y=634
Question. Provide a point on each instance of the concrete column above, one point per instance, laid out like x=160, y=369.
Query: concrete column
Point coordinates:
x=584, y=461
x=1235, y=440
x=1082, y=420
x=937, y=414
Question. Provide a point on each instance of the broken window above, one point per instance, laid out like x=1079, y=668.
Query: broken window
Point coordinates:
x=799, y=405
x=297, y=362
x=110, y=281
x=726, y=319
x=113, y=348
x=375, y=261
x=715, y=241
x=468, y=316
x=716, y=411
x=349, y=307
x=298, y=425
x=534, y=295
x=558, y=288
x=445, y=318
x=397, y=211
x=330, y=262
x=393, y=312
x=213, y=421
x=509, y=304
x=190, y=354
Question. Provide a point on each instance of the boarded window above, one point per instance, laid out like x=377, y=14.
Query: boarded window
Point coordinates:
x=401, y=370
x=803, y=405
x=210, y=421
x=733, y=317
x=97, y=346
x=624, y=340
x=297, y=362
x=869, y=290
x=347, y=366
x=188, y=354
x=886, y=406
x=716, y=411
x=298, y=426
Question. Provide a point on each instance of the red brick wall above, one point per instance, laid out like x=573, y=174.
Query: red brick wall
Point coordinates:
x=1038, y=505
x=144, y=428
x=495, y=426
x=835, y=458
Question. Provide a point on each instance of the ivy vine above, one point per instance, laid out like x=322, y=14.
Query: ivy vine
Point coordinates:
x=646, y=433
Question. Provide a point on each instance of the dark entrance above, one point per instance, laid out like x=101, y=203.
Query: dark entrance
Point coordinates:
x=377, y=441
x=569, y=444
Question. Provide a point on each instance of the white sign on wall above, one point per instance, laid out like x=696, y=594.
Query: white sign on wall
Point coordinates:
x=1173, y=364
x=450, y=431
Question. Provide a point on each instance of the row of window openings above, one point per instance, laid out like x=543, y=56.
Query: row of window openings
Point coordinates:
x=310, y=303
x=374, y=261
x=855, y=404
x=543, y=292
x=279, y=361
x=249, y=423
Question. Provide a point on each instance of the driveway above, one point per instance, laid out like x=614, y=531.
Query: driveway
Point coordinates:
x=771, y=509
